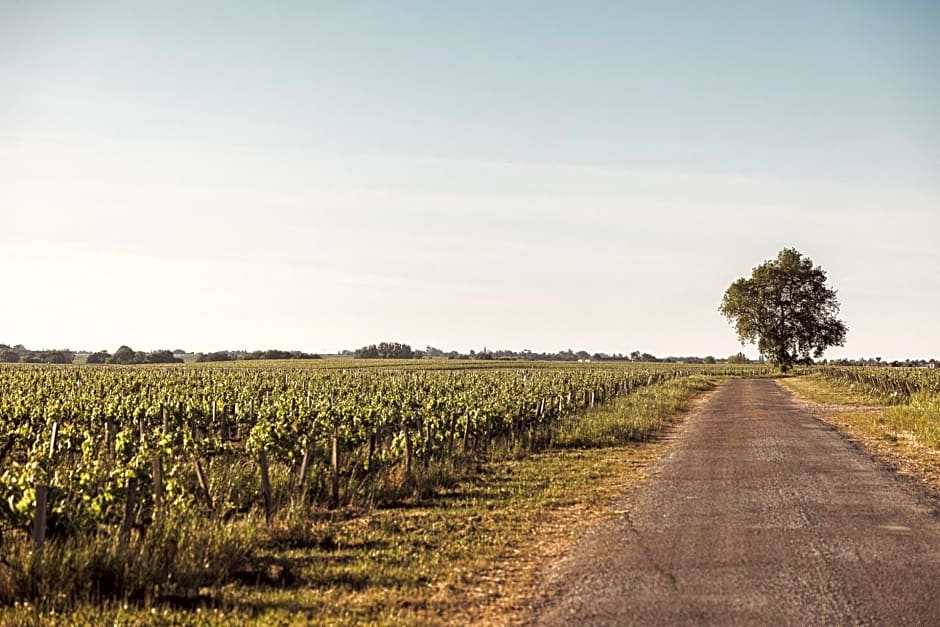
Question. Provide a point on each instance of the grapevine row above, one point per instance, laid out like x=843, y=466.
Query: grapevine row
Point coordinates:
x=114, y=446
x=900, y=384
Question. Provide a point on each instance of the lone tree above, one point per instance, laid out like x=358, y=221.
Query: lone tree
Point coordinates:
x=787, y=309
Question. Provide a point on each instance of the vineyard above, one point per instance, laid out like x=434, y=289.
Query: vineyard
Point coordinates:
x=122, y=454
x=153, y=480
x=912, y=396
x=900, y=385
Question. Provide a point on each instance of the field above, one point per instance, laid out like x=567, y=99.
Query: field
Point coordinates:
x=332, y=490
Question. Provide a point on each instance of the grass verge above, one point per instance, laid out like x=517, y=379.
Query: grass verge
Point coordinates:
x=906, y=436
x=466, y=553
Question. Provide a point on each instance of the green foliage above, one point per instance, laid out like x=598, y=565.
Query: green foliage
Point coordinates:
x=269, y=354
x=405, y=564
x=100, y=357
x=738, y=358
x=385, y=350
x=180, y=553
x=787, y=309
x=57, y=357
x=162, y=357
x=631, y=418
x=215, y=356
x=123, y=356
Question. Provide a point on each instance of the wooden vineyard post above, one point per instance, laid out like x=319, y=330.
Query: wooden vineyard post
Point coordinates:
x=158, y=492
x=371, y=460
x=528, y=425
x=55, y=435
x=39, y=524
x=407, y=434
x=203, y=484
x=130, y=493
x=466, y=432
x=334, y=468
x=42, y=500
x=427, y=443
x=226, y=436
x=308, y=452
x=130, y=510
x=233, y=431
x=200, y=473
x=451, y=435
x=304, y=469
x=266, y=486
x=157, y=463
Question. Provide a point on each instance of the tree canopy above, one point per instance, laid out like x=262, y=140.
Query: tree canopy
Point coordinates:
x=385, y=350
x=123, y=355
x=787, y=309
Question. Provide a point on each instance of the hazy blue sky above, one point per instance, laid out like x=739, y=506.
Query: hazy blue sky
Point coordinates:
x=538, y=175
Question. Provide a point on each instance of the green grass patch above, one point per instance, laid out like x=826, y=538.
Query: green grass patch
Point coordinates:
x=631, y=418
x=454, y=552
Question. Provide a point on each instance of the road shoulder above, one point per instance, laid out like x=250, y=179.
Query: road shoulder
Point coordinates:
x=548, y=574
x=862, y=422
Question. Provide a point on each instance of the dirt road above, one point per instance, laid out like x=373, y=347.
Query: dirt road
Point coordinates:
x=760, y=514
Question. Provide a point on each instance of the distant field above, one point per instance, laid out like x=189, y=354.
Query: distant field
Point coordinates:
x=334, y=363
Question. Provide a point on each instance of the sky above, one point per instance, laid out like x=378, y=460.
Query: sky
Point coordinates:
x=527, y=175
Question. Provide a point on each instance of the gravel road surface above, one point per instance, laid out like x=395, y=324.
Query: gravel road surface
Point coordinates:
x=760, y=514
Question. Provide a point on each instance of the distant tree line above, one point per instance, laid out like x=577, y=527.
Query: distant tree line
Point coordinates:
x=397, y=350
x=254, y=355
x=387, y=350
x=19, y=354
x=878, y=361
x=738, y=358
x=123, y=355
x=126, y=355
